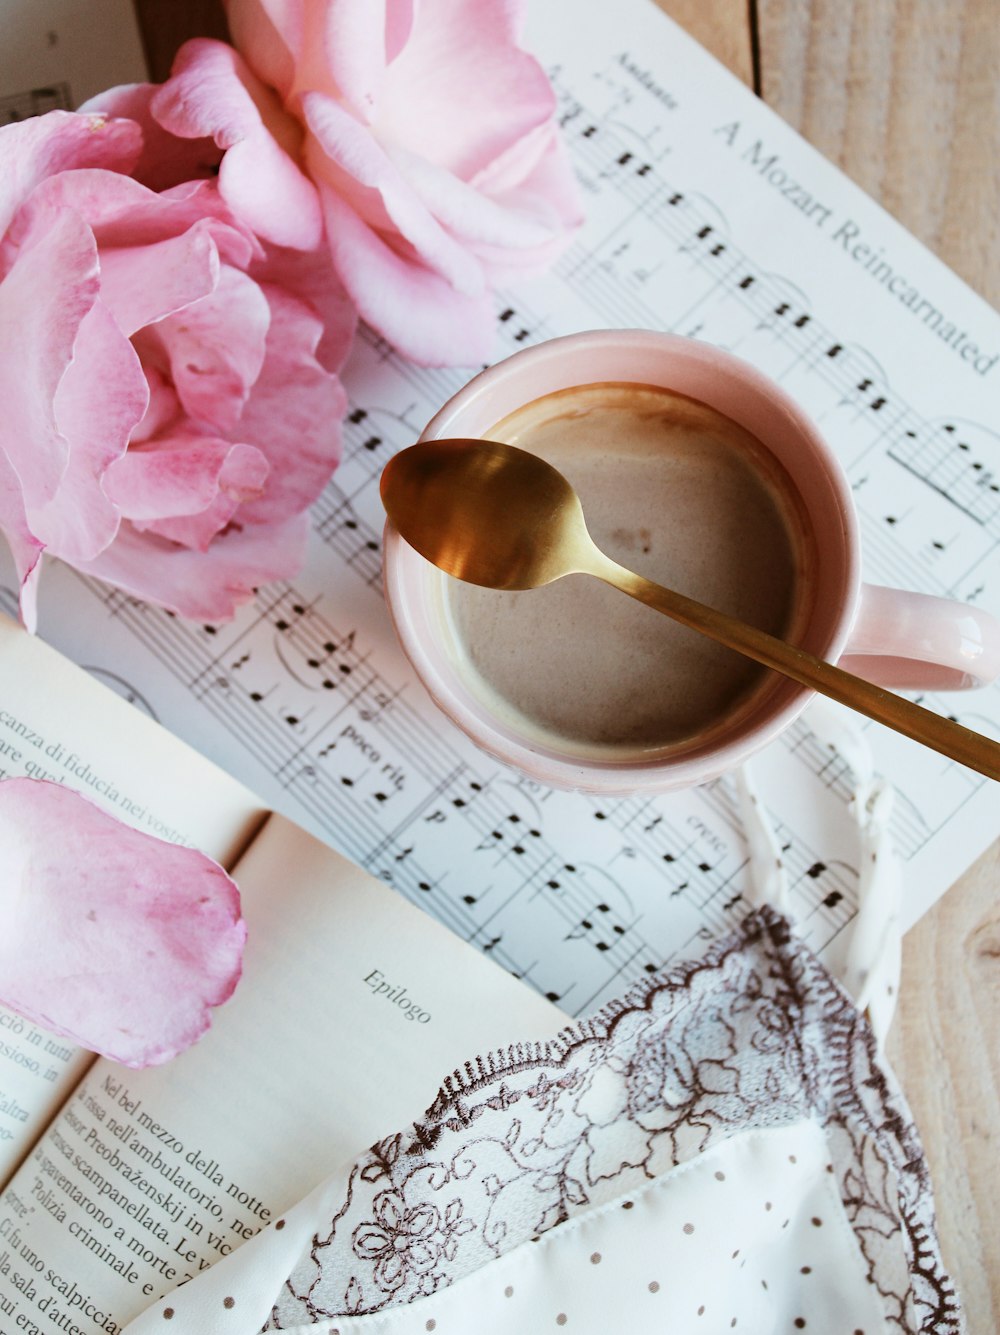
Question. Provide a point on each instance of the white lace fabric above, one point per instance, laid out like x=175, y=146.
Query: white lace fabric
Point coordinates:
x=750, y=1062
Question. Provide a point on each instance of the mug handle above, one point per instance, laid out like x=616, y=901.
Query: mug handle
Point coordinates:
x=915, y=641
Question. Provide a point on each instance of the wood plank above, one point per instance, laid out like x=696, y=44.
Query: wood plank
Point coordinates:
x=721, y=27
x=944, y=1047
x=904, y=96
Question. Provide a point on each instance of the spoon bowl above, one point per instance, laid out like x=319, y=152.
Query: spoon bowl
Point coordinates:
x=498, y=516
x=486, y=513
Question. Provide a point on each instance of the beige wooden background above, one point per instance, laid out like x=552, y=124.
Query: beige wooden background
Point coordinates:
x=904, y=95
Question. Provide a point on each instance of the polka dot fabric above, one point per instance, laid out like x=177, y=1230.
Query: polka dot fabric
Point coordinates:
x=750, y=1237
x=720, y=1150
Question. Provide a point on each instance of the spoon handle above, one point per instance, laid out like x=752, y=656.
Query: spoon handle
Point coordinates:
x=905, y=716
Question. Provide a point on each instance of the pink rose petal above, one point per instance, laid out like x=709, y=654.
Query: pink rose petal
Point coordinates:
x=263, y=186
x=470, y=216
x=184, y=475
x=207, y=586
x=431, y=126
x=346, y=56
x=399, y=19
x=166, y=160
x=452, y=329
x=310, y=276
x=213, y=92
x=163, y=410
x=99, y=400
x=157, y=431
x=346, y=156
x=114, y=939
x=293, y=415
x=121, y=212
x=32, y=150
x=463, y=54
x=143, y=284
x=269, y=33
x=215, y=349
x=43, y=301
x=196, y=532
x=188, y=490
x=25, y=549
x=547, y=190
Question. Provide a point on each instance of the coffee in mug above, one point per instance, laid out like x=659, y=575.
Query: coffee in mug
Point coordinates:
x=676, y=491
x=682, y=449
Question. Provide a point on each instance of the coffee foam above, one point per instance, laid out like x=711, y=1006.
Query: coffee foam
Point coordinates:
x=676, y=491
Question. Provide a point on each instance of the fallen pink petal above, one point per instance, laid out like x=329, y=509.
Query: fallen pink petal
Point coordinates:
x=110, y=937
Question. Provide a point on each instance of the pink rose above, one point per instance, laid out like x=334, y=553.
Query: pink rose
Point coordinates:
x=417, y=140
x=170, y=402
x=116, y=940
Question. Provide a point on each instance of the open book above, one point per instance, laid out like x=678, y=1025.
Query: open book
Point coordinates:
x=117, y=1185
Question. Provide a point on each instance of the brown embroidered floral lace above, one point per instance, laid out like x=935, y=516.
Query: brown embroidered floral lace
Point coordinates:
x=755, y=1033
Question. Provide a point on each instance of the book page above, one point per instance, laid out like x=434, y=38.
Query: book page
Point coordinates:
x=58, y=723
x=352, y=1008
x=708, y=217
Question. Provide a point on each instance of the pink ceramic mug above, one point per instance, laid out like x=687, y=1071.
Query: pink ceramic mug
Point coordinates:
x=907, y=640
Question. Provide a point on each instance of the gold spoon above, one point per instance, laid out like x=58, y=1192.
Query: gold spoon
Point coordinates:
x=495, y=515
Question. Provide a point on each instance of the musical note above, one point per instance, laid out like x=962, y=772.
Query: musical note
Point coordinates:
x=585, y=930
x=355, y=540
x=291, y=719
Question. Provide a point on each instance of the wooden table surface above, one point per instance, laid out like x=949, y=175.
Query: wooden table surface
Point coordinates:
x=904, y=96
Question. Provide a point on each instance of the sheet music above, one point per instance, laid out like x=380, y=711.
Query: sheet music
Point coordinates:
x=709, y=217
